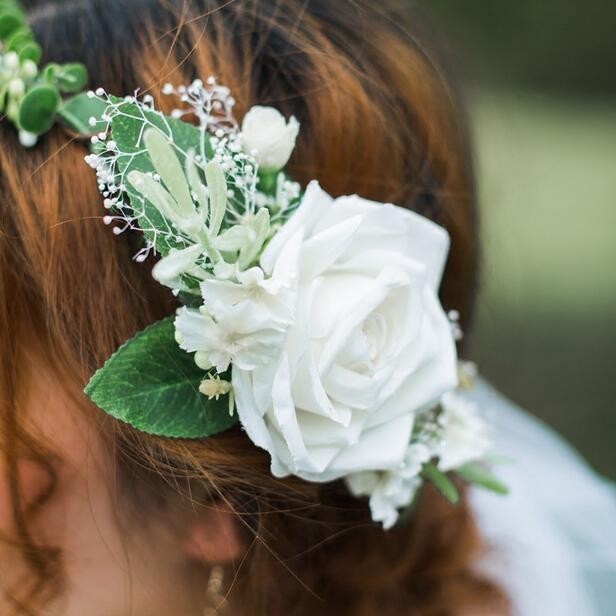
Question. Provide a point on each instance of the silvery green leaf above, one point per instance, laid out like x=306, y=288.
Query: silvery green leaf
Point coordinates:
x=196, y=185
x=170, y=170
x=217, y=187
x=260, y=225
x=169, y=269
x=232, y=239
x=156, y=194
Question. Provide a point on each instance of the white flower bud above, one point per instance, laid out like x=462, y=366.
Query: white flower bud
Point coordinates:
x=214, y=387
x=266, y=132
x=27, y=139
x=29, y=70
x=17, y=87
x=11, y=60
x=203, y=360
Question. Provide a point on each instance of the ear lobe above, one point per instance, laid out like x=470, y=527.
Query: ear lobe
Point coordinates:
x=213, y=537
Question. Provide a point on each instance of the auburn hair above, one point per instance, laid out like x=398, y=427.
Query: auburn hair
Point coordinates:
x=379, y=118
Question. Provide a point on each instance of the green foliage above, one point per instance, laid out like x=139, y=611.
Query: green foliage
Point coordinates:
x=37, y=111
x=29, y=98
x=30, y=50
x=76, y=112
x=127, y=129
x=70, y=78
x=441, y=482
x=477, y=474
x=11, y=20
x=153, y=385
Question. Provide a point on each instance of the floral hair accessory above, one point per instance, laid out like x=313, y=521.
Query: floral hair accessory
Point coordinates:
x=32, y=97
x=313, y=322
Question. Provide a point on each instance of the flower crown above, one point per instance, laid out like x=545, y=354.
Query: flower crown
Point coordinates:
x=312, y=322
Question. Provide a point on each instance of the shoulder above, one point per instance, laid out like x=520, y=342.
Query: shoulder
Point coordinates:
x=552, y=541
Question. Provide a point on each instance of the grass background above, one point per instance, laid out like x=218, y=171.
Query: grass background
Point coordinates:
x=544, y=118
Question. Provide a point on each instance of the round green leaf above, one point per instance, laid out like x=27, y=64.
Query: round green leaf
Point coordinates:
x=19, y=39
x=37, y=111
x=153, y=385
x=10, y=21
x=71, y=78
x=31, y=51
x=50, y=72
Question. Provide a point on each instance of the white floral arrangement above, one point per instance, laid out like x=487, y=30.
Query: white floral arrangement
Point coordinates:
x=313, y=322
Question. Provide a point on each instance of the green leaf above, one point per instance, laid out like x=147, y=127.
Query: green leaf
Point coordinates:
x=217, y=187
x=478, y=475
x=441, y=482
x=10, y=21
x=169, y=169
x=37, y=110
x=76, y=112
x=30, y=51
x=260, y=225
x=19, y=39
x=196, y=184
x=70, y=78
x=153, y=385
x=127, y=130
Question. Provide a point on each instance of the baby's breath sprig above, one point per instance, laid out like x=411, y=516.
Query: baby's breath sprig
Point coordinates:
x=193, y=190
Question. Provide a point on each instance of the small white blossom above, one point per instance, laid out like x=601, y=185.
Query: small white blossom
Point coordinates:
x=237, y=337
x=464, y=432
x=391, y=491
x=271, y=298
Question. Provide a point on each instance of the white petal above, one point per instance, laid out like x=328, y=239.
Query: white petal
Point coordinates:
x=197, y=330
x=314, y=202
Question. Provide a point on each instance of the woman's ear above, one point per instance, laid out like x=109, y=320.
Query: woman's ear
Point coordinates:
x=213, y=537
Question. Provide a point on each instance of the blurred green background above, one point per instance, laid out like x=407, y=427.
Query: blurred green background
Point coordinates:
x=542, y=83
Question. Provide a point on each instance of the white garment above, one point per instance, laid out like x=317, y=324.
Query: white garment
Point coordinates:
x=553, y=539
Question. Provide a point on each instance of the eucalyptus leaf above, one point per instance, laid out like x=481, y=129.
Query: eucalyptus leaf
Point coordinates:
x=18, y=39
x=30, y=51
x=10, y=21
x=38, y=108
x=441, y=482
x=76, y=112
x=70, y=78
x=477, y=474
x=153, y=385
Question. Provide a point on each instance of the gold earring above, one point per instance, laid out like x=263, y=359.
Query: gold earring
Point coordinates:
x=217, y=601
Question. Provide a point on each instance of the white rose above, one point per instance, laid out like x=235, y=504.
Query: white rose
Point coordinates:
x=370, y=345
x=266, y=132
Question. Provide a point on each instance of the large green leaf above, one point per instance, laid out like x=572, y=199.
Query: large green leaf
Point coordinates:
x=153, y=385
x=128, y=127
